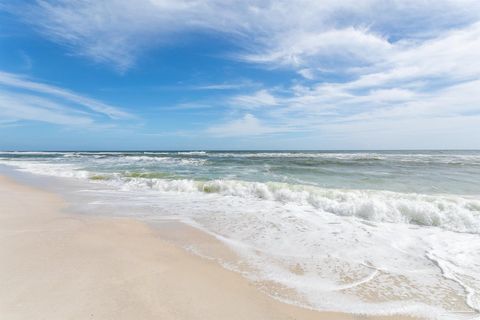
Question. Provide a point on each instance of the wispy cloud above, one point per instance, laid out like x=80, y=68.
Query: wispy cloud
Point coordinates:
x=248, y=125
x=277, y=32
x=222, y=86
x=24, y=99
x=225, y=86
x=16, y=81
x=261, y=98
x=339, y=49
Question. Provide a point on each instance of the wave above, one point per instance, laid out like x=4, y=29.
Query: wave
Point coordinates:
x=62, y=170
x=193, y=153
x=134, y=159
x=347, y=156
x=360, y=156
x=329, y=157
x=29, y=152
x=448, y=212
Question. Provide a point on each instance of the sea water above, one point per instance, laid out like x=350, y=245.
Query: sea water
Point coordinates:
x=372, y=232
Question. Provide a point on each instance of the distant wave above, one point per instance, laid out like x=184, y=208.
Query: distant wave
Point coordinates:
x=329, y=157
x=193, y=153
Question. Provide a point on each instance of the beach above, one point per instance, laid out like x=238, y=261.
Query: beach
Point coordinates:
x=252, y=235
x=57, y=265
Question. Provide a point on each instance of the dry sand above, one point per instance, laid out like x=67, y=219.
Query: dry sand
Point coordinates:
x=56, y=265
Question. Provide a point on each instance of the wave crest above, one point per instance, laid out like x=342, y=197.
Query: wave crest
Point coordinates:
x=453, y=213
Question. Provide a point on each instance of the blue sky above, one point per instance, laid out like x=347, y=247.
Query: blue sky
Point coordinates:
x=172, y=74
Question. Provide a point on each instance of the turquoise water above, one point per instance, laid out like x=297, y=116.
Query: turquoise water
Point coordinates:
x=403, y=225
x=456, y=172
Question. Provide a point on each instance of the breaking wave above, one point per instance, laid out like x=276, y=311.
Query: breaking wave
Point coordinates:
x=448, y=212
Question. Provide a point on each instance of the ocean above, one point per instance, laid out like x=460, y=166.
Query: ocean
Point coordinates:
x=371, y=232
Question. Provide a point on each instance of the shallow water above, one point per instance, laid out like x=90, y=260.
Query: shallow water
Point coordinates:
x=367, y=232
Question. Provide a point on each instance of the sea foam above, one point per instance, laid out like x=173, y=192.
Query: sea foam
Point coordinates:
x=448, y=212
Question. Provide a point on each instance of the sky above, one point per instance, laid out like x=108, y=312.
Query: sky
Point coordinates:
x=246, y=74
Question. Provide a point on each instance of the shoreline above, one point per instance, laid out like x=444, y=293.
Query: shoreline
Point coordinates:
x=60, y=265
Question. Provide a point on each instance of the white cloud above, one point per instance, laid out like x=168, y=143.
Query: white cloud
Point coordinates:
x=24, y=99
x=222, y=86
x=277, y=32
x=452, y=56
x=24, y=107
x=337, y=48
x=116, y=32
x=16, y=81
x=421, y=86
x=307, y=73
x=248, y=125
x=261, y=98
